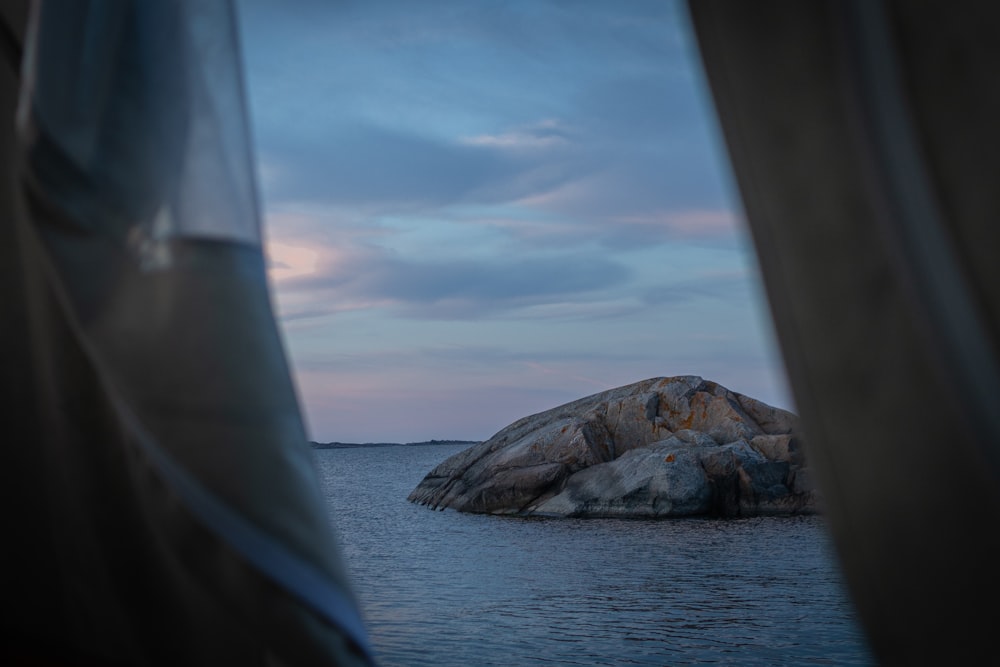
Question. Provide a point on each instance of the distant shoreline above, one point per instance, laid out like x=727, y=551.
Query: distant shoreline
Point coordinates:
x=352, y=445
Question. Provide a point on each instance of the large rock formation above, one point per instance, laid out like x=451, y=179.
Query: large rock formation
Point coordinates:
x=678, y=446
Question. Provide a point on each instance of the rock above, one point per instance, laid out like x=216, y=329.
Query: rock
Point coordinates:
x=663, y=447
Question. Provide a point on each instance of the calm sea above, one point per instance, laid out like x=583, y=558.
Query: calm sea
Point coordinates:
x=449, y=589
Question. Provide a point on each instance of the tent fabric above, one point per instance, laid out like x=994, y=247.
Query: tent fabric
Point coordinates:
x=162, y=495
x=105, y=82
x=863, y=138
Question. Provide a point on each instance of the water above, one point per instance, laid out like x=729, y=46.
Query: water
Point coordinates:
x=449, y=589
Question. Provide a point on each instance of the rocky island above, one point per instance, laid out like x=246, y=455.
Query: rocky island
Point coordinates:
x=662, y=447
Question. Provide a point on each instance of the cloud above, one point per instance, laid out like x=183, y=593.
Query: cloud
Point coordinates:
x=619, y=184
x=476, y=211
x=719, y=226
x=614, y=231
x=362, y=164
x=386, y=107
x=532, y=27
x=448, y=289
x=688, y=224
x=545, y=134
x=638, y=105
x=500, y=280
x=471, y=391
x=286, y=261
x=379, y=170
x=731, y=286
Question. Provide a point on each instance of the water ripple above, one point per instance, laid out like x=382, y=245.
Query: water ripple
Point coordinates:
x=448, y=589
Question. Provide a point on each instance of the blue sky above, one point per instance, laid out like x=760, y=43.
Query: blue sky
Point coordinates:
x=475, y=211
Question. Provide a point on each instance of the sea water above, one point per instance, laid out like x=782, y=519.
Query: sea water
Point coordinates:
x=448, y=589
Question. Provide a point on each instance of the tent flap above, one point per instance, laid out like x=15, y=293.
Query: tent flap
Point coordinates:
x=864, y=141
x=169, y=511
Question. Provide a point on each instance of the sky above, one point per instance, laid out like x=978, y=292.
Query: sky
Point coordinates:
x=476, y=211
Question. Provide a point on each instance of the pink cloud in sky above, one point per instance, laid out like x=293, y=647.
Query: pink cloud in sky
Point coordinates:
x=687, y=224
x=287, y=261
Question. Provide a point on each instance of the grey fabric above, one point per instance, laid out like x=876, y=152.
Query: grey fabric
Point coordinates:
x=27, y=559
x=165, y=509
x=838, y=117
x=137, y=122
